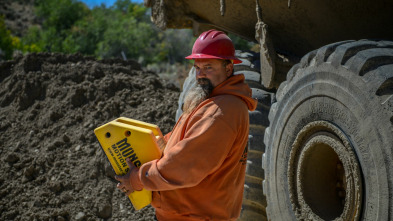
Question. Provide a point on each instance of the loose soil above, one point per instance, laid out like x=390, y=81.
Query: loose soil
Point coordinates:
x=51, y=165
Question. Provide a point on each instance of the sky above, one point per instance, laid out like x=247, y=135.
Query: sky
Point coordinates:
x=108, y=3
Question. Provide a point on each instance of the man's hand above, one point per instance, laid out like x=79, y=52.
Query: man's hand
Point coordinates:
x=129, y=182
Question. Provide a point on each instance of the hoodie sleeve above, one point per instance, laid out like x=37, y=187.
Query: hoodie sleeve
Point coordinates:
x=205, y=146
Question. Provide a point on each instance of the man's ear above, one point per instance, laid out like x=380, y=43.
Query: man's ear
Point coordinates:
x=229, y=69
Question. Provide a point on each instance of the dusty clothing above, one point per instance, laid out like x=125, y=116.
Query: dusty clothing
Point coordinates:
x=201, y=173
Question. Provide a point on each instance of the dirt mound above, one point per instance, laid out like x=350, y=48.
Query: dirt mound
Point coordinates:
x=52, y=167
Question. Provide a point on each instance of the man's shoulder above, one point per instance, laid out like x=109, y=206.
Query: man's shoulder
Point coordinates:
x=227, y=109
x=224, y=106
x=230, y=102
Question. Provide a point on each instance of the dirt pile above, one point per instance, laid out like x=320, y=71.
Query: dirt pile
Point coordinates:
x=51, y=166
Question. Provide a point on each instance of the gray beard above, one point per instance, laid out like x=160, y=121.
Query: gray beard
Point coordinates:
x=197, y=94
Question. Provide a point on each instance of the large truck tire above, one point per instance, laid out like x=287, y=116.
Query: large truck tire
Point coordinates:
x=254, y=202
x=329, y=144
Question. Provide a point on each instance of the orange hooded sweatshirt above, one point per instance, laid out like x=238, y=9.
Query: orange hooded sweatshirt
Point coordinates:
x=201, y=173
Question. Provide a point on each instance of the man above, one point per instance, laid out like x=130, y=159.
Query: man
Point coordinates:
x=201, y=173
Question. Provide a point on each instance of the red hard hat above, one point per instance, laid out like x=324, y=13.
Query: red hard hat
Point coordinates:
x=214, y=44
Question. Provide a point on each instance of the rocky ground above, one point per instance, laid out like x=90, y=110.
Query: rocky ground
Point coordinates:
x=51, y=166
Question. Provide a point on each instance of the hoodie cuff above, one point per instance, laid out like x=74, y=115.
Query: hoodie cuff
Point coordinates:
x=151, y=178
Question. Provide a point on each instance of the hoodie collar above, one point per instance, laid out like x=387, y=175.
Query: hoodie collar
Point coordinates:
x=235, y=85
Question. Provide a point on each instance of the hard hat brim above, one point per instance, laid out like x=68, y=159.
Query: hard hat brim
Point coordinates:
x=206, y=56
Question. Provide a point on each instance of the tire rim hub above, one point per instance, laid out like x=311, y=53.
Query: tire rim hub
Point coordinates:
x=324, y=175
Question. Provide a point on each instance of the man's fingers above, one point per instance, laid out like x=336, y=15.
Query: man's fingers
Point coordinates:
x=123, y=184
x=118, y=178
x=129, y=163
x=128, y=192
x=120, y=186
x=121, y=178
x=123, y=189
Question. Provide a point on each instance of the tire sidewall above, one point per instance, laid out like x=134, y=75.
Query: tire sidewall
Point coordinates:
x=321, y=94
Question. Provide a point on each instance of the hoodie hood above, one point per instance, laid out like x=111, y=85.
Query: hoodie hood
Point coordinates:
x=235, y=85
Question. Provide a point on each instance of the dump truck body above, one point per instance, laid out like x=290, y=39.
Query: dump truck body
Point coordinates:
x=324, y=83
x=295, y=26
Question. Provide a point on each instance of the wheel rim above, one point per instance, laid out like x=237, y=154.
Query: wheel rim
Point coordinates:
x=324, y=175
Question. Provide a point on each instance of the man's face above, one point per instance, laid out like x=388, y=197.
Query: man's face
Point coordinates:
x=213, y=70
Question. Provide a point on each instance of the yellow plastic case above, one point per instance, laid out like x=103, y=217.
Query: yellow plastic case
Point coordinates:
x=127, y=138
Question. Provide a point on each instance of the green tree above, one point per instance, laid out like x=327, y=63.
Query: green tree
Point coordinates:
x=124, y=28
x=34, y=37
x=5, y=40
x=61, y=14
x=9, y=43
x=240, y=43
x=58, y=19
x=126, y=35
x=86, y=33
x=178, y=44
